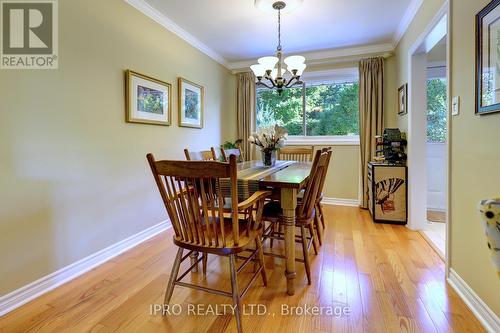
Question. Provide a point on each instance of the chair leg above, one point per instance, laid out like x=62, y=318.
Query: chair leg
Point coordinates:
x=260, y=254
x=173, y=276
x=319, y=230
x=194, y=257
x=314, y=238
x=305, y=253
x=205, y=260
x=235, y=292
x=322, y=215
x=273, y=233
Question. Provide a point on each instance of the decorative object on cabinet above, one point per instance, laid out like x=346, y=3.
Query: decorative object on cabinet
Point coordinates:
x=391, y=147
x=403, y=99
x=490, y=213
x=190, y=104
x=387, y=193
x=488, y=59
x=148, y=100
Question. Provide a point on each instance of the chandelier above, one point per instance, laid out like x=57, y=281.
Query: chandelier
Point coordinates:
x=265, y=69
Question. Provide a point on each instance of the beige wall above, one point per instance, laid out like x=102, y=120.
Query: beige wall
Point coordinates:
x=73, y=174
x=475, y=162
x=475, y=158
x=425, y=14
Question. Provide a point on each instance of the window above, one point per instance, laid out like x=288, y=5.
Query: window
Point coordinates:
x=436, y=110
x=331, y=109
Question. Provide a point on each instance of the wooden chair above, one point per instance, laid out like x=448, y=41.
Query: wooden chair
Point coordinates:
x=300, y=154
x=319, y=210
x=204, y=155
x=228, y=152
x=305, y=214
x=192, y=194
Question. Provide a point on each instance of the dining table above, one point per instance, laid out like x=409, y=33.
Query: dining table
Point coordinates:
x=287, y=178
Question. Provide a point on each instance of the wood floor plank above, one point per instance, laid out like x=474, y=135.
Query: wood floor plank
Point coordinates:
x=387, y=276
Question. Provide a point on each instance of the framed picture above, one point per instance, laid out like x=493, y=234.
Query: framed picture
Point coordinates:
x=488, y=59
x=190, y=104
x=403, y=99
x=148, y=100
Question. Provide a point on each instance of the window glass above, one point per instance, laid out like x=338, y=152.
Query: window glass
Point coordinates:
x=331, y=109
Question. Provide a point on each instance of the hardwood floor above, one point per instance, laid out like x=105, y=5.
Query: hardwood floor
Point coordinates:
x=387, y=276
x=435, y=216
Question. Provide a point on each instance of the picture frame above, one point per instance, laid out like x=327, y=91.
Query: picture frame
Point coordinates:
x=191, y=104
x=488, y=59
x=148, y=100
x=403, y=99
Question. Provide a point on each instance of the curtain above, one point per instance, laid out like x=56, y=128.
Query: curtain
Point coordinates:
x=371, y=114
x=245, y=101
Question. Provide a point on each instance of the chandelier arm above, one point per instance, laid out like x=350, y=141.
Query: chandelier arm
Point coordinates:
x=272, y=82
x=291, y=82
x=262, y=84
x=296, y=83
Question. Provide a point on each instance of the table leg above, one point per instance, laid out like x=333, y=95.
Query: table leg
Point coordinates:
x=288, y=204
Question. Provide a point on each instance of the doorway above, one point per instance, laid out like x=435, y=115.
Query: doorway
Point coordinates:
x=428, y=118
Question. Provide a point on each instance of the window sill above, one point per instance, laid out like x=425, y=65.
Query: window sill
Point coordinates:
x=323, y=140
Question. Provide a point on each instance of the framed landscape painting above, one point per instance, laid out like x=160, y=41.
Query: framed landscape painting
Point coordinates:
x=149, y=101
x=488, y=59
x=190, y=104
x=403, y=99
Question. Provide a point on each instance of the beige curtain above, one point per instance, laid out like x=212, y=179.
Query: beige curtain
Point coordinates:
x=371, y=114
x=245, y=92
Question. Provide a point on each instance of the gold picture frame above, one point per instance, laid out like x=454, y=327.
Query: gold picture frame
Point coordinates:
x=148, y=100
x=190, y=103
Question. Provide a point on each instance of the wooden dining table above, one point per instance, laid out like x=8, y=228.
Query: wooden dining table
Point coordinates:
x=289, y=177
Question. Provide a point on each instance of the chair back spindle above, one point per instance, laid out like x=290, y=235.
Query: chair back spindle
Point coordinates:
x=313, y=184
x=204, y=155
x=193, y=197
x=299, y=154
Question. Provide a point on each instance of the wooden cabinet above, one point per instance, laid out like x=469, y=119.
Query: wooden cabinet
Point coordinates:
x=388, y=193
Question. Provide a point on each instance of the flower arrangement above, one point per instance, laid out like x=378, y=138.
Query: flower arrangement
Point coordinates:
x=269, y=139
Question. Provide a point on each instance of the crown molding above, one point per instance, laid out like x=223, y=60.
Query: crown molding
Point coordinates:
x=406, y=20
x=170, y=25
x=332, y=56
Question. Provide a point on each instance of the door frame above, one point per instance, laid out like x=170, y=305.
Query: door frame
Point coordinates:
x=417, y=121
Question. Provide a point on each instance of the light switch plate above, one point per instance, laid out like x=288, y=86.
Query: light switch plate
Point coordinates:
x=455, y=106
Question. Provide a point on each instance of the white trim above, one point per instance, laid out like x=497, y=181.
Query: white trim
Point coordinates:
x=171, y=26
x=49, y=282
x=335, y=140
x=332, y=56
x=483, y=313
x=340, y=202
x=406, y=20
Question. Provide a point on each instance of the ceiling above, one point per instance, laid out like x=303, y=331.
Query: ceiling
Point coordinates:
x=235, y=31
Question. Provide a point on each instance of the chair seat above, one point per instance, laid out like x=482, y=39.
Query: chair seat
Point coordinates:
x=273, y=211
x=244, y=238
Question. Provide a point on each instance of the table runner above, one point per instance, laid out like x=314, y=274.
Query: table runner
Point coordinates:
x=248, y=179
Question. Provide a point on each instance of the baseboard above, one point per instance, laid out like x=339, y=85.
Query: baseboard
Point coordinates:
x=437, y=210
x=45, y=284
x=483, y=313
x=340, y=202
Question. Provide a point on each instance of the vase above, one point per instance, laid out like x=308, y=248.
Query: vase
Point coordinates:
x=268, y=157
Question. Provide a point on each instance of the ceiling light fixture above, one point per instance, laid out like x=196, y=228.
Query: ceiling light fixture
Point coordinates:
x=265, y=68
